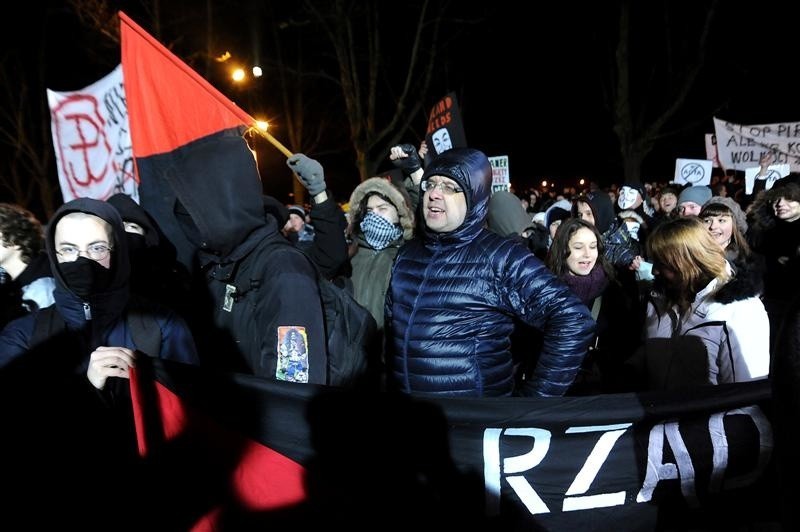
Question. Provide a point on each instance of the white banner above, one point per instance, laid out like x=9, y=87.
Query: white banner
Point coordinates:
x=92, y=140
x=740, y=146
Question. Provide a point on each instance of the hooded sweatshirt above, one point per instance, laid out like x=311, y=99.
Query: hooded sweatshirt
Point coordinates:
x=97, y=319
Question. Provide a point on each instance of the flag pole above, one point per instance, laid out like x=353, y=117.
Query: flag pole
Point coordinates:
x=272, y=140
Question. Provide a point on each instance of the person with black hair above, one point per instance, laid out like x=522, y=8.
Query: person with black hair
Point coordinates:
x=27, y=283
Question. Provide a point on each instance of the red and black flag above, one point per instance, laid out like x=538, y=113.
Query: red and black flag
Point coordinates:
x=188, y=143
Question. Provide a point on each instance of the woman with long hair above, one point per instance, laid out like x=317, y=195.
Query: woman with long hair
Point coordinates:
x=704, y=324
x=577, y=257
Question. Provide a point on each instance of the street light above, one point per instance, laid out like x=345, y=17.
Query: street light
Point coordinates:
x=238, y=75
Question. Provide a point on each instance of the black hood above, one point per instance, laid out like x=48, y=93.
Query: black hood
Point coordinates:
x=113, y=300
x=215, y=179
x=130, y=211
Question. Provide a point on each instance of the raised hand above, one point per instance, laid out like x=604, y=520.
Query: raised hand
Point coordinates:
x=309, y=171
x=405, y=157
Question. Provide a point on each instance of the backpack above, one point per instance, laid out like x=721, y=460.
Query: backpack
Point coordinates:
x=350, y=329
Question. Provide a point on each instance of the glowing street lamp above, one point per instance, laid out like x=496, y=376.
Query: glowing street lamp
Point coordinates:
x=257, y=72
x=238, y=75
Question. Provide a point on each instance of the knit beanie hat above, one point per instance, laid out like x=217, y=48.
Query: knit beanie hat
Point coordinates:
x=696, y=194
x=736, y=211
x=298, y=210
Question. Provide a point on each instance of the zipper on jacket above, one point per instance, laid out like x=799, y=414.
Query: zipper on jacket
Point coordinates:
x=87, y=311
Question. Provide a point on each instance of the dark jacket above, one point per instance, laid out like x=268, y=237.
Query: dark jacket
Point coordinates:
x=259, y=289
x=372, y=269
x=60, y=430
x=453, y=297
x=100, y=318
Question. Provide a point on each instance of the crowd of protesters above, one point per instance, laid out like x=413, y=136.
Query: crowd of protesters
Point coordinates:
x=641, y=286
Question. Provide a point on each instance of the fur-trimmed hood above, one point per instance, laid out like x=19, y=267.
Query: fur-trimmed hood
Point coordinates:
x=747, y=281
x=398, y=198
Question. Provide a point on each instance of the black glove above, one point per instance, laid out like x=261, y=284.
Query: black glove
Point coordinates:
x=309, y=171
x=409, y=164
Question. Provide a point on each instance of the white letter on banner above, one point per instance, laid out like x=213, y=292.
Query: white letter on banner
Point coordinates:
x=589, y=470
x=491, y=469
x=514, y=464
x=719, y=440
x=658, y=471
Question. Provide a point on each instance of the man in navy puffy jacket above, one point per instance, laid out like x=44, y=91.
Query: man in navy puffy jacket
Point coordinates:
x=457, y=288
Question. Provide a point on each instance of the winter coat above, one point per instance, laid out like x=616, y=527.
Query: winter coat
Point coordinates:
x=372, y=268
x=260, y=310
x=100, y=318
x=453, y=298
x=58, y=426
x=722, y=338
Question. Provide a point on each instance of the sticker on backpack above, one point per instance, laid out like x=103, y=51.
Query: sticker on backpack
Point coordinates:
x=292, y=354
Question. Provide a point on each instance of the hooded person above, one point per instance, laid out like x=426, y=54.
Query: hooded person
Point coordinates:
x=382, y=221
x=258, y=286
x=156, y=273
x=457, y=287
x=73, y=358
x=633, y=197
x=508, y=217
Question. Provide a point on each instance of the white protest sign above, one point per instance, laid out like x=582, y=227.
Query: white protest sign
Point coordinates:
x=92, y=140
x=774, y=172
x=740, y=146
x=692, y=172
x=501, y=177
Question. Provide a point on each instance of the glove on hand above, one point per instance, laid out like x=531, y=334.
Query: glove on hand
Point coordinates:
x=409, y=164
x=309, y=171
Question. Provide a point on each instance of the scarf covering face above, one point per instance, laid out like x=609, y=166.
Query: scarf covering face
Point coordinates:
x=378, y=231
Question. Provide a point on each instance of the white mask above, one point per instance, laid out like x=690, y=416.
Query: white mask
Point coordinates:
x=627, y=198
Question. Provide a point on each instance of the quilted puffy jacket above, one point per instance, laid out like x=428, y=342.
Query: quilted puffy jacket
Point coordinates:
x=454, y=296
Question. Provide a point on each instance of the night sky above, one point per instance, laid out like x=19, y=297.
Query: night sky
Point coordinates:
x=528, y=77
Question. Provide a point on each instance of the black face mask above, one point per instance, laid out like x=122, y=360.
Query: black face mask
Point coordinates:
x=136, y=245
x=85, y=276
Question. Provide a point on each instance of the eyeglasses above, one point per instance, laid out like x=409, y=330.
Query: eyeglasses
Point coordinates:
x=94, y=252
x=446, y=188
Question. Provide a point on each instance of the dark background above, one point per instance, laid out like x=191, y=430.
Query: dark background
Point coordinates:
x=529, y=76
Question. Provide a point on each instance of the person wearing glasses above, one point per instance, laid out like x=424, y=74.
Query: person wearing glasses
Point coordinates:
x=88, y=254
x=457, y=288
x=64, y=373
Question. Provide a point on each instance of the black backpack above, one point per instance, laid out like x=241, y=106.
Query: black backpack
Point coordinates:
x=350, y=329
